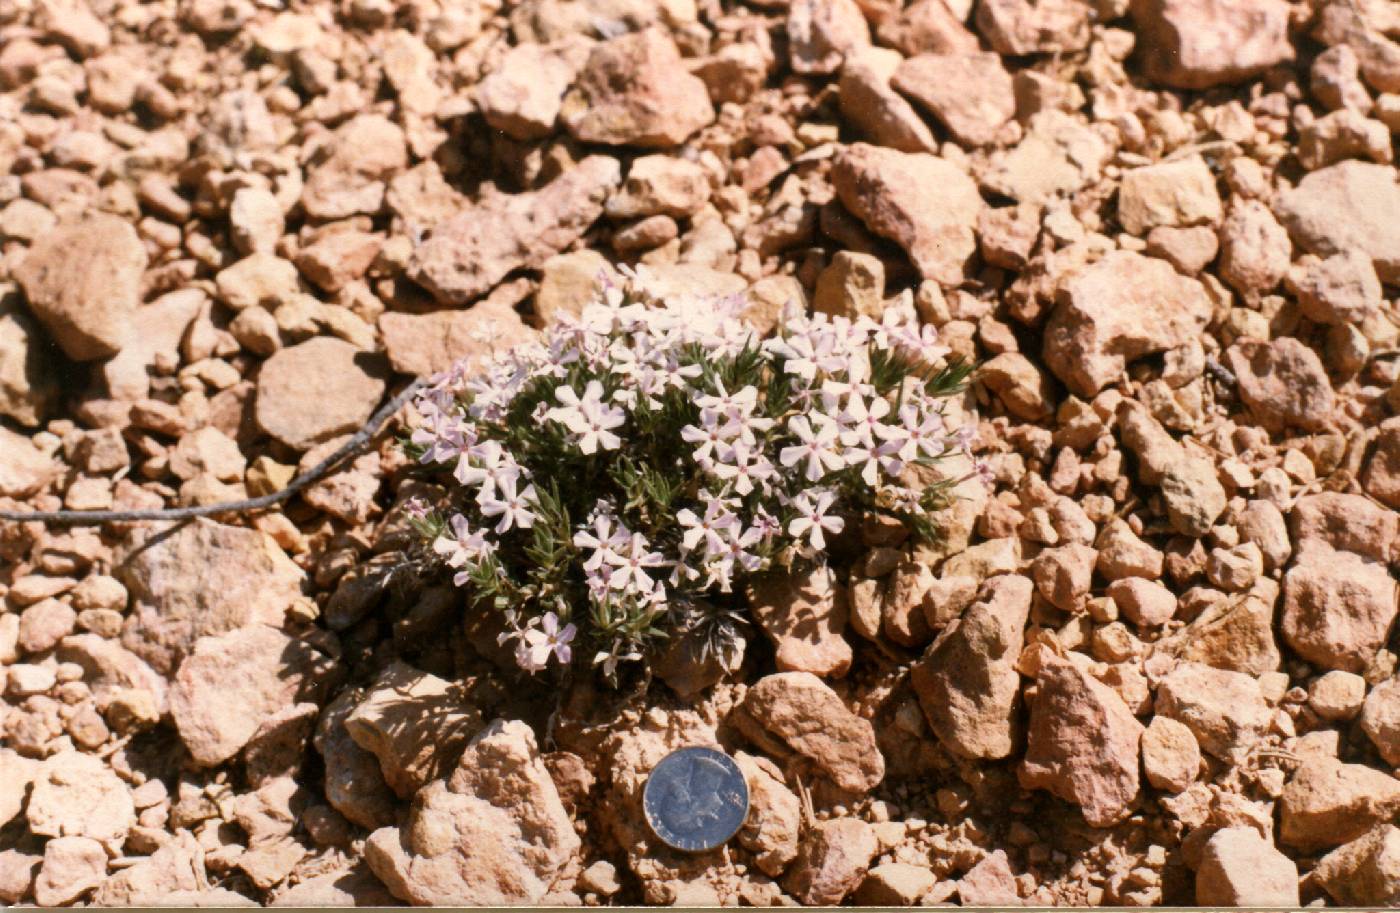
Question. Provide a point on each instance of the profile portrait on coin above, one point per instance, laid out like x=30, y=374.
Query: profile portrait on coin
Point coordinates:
x=696, y=799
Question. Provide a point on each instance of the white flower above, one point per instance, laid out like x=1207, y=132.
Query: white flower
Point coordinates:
x=613, y=655
x=818, y=447
x=588, y=417
x=511, y=506
x=538, y=644
x=465, y=545
x=632, y=564
x=812, y=520
x=711, y=527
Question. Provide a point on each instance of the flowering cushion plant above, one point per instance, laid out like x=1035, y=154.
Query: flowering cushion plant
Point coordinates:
x=621, y=477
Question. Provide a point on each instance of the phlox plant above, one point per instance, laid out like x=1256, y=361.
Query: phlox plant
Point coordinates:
x=620, y=478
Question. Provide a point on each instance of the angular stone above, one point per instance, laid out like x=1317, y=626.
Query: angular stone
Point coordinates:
x=927, y=27
x=1342, y=289
x=16, y=774
x=823, y=33
x=1338, y=610
x=1255, y=249
x=635, y=91
x=970, y=94
x=1283, y=383
x=245, y=578
x=1191, y=490
x=774, y=825
x=1224, y=710
x=804, y=616
x=522, y=96
x=426, y=344
x=28, y=384
x=83, y=282
x=1239, y=868
x=76, y=795
x=660, y=185
x=1175, y=194
x=24, y=468
x=1364, y=872
x=494, y=833
x=809, y=718
x=1060, y=155
x=1346, y=207
x=1171, y=758
x=1329, y=522
x=231, y=683
x=355, y=785
x=72, y=867
x=416, y=724
x=921, y=202
x=1020, y=27
x=834, y=858
x=967, y=682
x=468, y=254
x=1116, y=311
x=317, y=390
x=1235, y=634
x=1083, y=744
x=1328, y=803
x=895, y=884
x=346, y=175
x=870, y=103
x=1195, y=44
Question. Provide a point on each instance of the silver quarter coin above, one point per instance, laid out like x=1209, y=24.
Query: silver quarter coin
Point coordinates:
x=696, y=799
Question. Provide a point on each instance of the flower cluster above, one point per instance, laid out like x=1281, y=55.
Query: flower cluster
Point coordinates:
x=649, y=455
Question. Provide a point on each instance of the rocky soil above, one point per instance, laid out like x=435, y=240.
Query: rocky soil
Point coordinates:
x=1155, y=664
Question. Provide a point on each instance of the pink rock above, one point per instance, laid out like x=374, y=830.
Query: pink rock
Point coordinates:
x=1381, y=477
x=72, y=867
x=774, y=825
x=927, y=27
x=1343, y=134
x=921, y=202
x=495, y=832
x=1116, y=311
x=77, y=795
x=799, y=709
x=1331, y=521
x=635, y=91
x=967, y=682
x=870, y=103
x=416, y=724
x=316, y=390
x=245, y=578
x=1062, y=575
x=232, y=682
x=424, y=344
x=1083, y=744
x=83, y=282
x=467, y=255
x=970, y=93
x=347, y=174
x=1346, y=207
x=354, y=785
x=822, y=33
x=1328, y=803
x=1175, y=194
x=1020, y=27
x=1171, y=759
x=17, y=873
x=1282, y=382
x=1195, y=44
x=1224, y=710
x=804, y=617
x=1239, y=868
x=1338, y=610
x=1364, y=872
x=833, y=859
x=1255, y=250
x=1339, y=290
x=989, y=883
x=24, y=468
x=355, y=886
x=523, y=95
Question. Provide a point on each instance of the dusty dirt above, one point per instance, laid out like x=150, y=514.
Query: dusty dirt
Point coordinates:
x=1155, y=664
